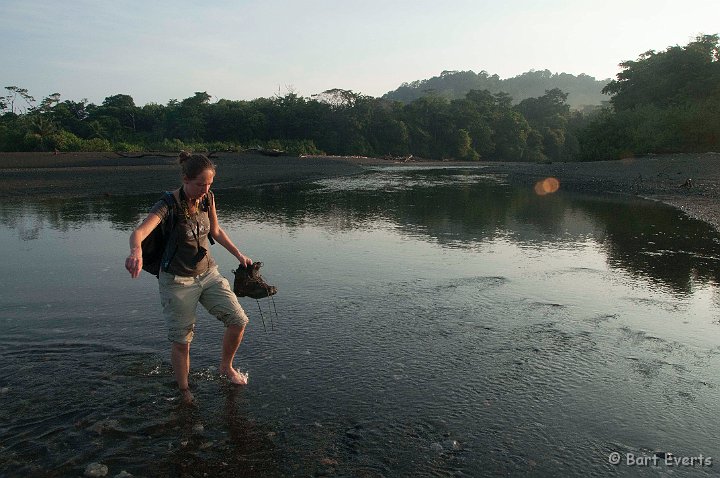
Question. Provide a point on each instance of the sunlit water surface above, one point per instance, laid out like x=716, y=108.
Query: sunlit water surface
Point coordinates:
x=430, y=322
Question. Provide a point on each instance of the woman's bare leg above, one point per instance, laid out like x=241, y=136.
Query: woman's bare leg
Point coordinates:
x=180, y=359
x=231, y=341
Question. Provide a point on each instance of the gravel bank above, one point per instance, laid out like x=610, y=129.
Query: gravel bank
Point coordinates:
x=45, y=175
x=689, y=182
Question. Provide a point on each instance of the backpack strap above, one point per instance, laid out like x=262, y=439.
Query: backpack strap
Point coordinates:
x=169, y=230
x=207, y=201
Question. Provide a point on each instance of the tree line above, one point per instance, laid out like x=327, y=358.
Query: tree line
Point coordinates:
x=665, y=101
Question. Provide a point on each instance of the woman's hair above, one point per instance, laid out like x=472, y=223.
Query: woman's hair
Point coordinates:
x=194, y=164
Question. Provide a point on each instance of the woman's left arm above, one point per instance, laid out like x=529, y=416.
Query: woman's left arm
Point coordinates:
x=222, y=238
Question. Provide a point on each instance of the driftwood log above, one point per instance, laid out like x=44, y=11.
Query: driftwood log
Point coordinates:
x=265, y=151
x=211, y=154
x=402, y=159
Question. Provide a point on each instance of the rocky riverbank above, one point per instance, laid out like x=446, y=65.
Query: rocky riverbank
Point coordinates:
x=689, y=182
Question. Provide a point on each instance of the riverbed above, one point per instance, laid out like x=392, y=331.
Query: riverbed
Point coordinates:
x=430, y=322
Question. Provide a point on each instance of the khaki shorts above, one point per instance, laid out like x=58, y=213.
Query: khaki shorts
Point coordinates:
x=179, y=296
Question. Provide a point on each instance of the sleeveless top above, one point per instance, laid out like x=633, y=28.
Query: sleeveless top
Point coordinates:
x=192, y=238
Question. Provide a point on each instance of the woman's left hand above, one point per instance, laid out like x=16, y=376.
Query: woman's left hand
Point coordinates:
x=244, y=261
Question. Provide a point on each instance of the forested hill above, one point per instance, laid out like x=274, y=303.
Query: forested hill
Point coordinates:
x=582, y=90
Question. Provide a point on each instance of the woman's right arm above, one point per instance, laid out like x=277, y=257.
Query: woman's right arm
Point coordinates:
x=133, y=263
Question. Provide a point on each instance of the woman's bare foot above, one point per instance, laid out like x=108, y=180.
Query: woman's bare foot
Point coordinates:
x=187, y=396
x=235, y=377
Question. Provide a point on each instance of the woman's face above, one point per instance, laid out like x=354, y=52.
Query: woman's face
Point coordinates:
x=197, y=187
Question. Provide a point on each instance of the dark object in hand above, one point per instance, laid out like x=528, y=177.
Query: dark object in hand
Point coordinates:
x=249, y=282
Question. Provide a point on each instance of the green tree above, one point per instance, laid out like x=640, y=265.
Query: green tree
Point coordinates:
x=663, y=102
x=150, y=122
x=387, y=133
x=463, y=146
x=12, y=100
x=49, y=102
x=511, y=131
x=117, y=116
x=186, y=120
x=548, y=115
x=475, y=114
x=672, y=77
x=40, y=129
x=71, y=116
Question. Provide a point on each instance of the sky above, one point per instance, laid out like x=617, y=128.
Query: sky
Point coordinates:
x=156, y=50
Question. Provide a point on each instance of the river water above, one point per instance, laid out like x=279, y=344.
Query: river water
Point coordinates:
x=430, y=322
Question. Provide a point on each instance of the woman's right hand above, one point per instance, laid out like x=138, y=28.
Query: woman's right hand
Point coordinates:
x=133, y=263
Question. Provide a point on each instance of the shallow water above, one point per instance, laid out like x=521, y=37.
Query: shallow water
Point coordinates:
x=431, y=322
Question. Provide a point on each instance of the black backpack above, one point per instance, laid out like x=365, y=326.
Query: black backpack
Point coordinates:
x=157, y=248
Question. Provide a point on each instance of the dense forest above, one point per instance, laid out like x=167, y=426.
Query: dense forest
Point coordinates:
x=663, y=102
x=666, y=101
x=582, y=90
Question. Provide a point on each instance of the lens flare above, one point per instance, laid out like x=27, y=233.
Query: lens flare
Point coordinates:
x=547, y=186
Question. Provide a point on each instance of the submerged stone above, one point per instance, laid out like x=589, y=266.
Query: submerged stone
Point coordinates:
x=436, y=447
x=451, y=445
x=96, y=470
x=105, y=425
x=445, y=445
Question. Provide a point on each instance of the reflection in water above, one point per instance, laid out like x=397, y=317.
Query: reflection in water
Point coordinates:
x=457, y=208
x=656, y=242
x=642, y=237
x=433, y=322
x=461, y=213
x=64, y=215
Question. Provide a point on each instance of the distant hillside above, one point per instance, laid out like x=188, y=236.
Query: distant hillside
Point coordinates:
x=582, y=89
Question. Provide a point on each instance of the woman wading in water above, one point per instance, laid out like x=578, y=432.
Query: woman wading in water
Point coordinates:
x=192, y=276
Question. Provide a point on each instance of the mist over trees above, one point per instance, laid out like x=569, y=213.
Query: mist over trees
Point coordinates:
x=661, y=102
x=582, y=90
